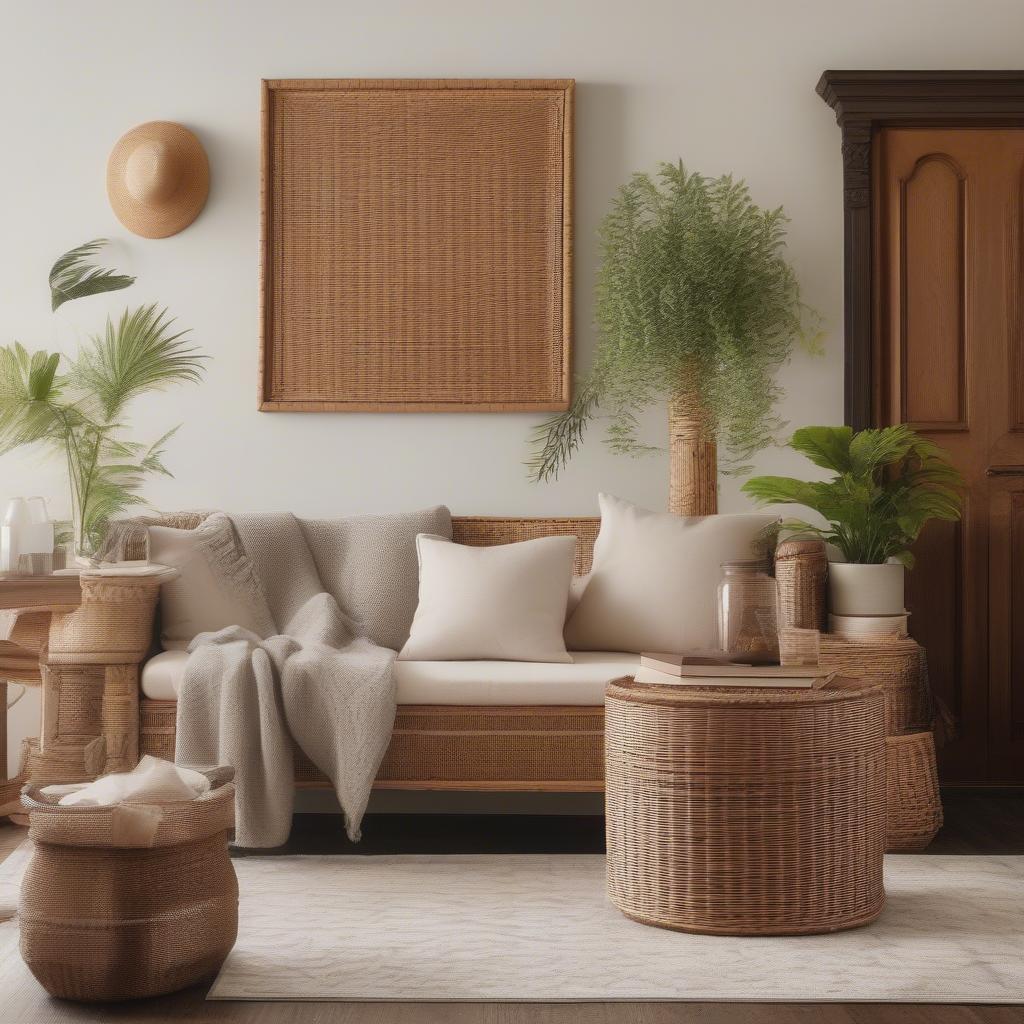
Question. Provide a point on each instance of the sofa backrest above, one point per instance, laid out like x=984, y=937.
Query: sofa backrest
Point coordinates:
x=481, y=531
x=128, y=539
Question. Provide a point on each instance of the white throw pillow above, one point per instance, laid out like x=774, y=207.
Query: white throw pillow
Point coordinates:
x=505, y=602
x=654, y=581
x=195, y=601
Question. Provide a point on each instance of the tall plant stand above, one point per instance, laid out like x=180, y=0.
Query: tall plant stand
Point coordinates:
x=693, y=460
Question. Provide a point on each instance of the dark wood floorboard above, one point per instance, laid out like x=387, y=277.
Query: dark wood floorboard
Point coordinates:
x=977, y=822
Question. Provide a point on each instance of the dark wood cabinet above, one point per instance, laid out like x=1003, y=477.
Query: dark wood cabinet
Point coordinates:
x=935, y=338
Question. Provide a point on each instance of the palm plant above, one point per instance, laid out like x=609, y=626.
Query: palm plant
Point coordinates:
x=80, y=413
x=888, y=483
x=695, y=304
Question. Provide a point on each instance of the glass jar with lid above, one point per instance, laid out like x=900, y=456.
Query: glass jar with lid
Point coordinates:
x=748, y=623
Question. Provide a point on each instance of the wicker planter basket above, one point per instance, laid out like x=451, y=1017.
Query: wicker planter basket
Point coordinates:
x=745, y=812
x=895, y=663
x=913, y=807
x=128, y=901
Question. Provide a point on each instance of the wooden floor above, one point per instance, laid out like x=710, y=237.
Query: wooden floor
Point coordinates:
x=978, y=822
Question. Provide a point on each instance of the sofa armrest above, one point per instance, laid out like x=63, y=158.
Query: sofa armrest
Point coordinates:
x=801, y=571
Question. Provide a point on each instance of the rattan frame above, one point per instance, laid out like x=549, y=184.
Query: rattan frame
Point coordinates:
x=393, y=399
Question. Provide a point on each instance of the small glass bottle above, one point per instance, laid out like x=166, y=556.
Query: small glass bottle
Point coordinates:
x=748, y=621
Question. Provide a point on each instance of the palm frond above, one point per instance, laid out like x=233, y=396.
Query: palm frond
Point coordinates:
x=140, y=353
x=29, y=390
x=828, y=447
x=74, y=276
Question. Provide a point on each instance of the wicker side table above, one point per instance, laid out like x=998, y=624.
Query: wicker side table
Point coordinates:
x=746, y=812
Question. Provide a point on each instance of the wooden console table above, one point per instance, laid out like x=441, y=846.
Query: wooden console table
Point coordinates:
x=56, y=632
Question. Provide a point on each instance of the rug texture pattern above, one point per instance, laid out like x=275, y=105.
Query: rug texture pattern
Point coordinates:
x=539, y=928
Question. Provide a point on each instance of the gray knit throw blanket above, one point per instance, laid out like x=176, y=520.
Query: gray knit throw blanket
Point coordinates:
x=307, y=680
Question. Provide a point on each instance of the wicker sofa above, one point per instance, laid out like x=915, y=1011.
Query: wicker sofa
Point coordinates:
x=512, y=740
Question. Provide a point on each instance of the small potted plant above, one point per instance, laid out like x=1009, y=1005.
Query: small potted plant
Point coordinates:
x=888, y=483
x=76, y=408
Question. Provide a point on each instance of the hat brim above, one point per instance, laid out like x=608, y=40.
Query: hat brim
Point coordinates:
x=179, y=209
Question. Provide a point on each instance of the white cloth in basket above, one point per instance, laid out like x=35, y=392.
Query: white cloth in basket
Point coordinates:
x=152, y=780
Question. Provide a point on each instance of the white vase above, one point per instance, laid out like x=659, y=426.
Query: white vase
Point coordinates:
x=856, y=589
x=13, y=534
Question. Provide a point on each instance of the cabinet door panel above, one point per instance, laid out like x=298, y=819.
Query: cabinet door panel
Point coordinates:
x=949, y=220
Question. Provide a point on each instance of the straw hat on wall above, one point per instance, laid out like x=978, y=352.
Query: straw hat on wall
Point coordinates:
x=158, y=178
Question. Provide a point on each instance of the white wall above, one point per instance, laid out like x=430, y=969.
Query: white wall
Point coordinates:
x=727, y=86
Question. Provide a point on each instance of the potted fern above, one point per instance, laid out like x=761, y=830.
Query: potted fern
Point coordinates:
x=77, y=408
x=887, y=484
x=696, y=306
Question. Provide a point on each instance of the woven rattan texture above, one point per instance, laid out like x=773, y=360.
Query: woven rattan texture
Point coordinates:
x=895, y=663
x=801, y=567
x=416, y=245
x=447, y=744
x=101, y=921
x=914, y=808
x=745, y=812
x=127, y=540
x=444, y=745
x=481, y=531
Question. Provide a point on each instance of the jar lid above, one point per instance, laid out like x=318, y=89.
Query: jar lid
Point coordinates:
x=746, y=565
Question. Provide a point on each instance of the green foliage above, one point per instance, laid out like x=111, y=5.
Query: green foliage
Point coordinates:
x=80, y=414
x=693, y=295
x=137, y=355
x=73, y=276
x=888, y=483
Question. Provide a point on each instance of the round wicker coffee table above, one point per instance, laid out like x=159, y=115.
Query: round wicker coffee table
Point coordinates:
x=746, y=811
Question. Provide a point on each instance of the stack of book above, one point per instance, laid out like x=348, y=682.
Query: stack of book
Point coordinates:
x=717, y=669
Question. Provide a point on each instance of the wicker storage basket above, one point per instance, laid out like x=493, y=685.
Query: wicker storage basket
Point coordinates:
x=128, y=901
x=895, y=663
x=801, y=568
x=112, y=625
x=745, y=812
x=913, y=806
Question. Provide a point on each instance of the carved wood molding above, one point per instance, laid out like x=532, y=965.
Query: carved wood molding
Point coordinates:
x=865, y=101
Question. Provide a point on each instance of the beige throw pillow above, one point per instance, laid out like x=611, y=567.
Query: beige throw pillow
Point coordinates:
x=196, y=601
x=505, y=603
x=654, y=581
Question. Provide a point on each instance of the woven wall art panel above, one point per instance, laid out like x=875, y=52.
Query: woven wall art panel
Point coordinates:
x=416, y=245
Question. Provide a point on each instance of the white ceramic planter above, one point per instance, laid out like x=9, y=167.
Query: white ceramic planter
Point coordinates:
x=868, y=625
x=855, y=589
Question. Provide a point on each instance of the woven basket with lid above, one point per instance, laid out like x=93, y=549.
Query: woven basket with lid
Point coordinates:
x=746, y=811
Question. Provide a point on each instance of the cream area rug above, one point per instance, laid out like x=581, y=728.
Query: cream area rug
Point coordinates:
x=539, y=928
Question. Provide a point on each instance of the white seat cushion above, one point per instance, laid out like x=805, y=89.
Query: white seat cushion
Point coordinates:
x=512, y=682
x=492, y=683
x=162, y=674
